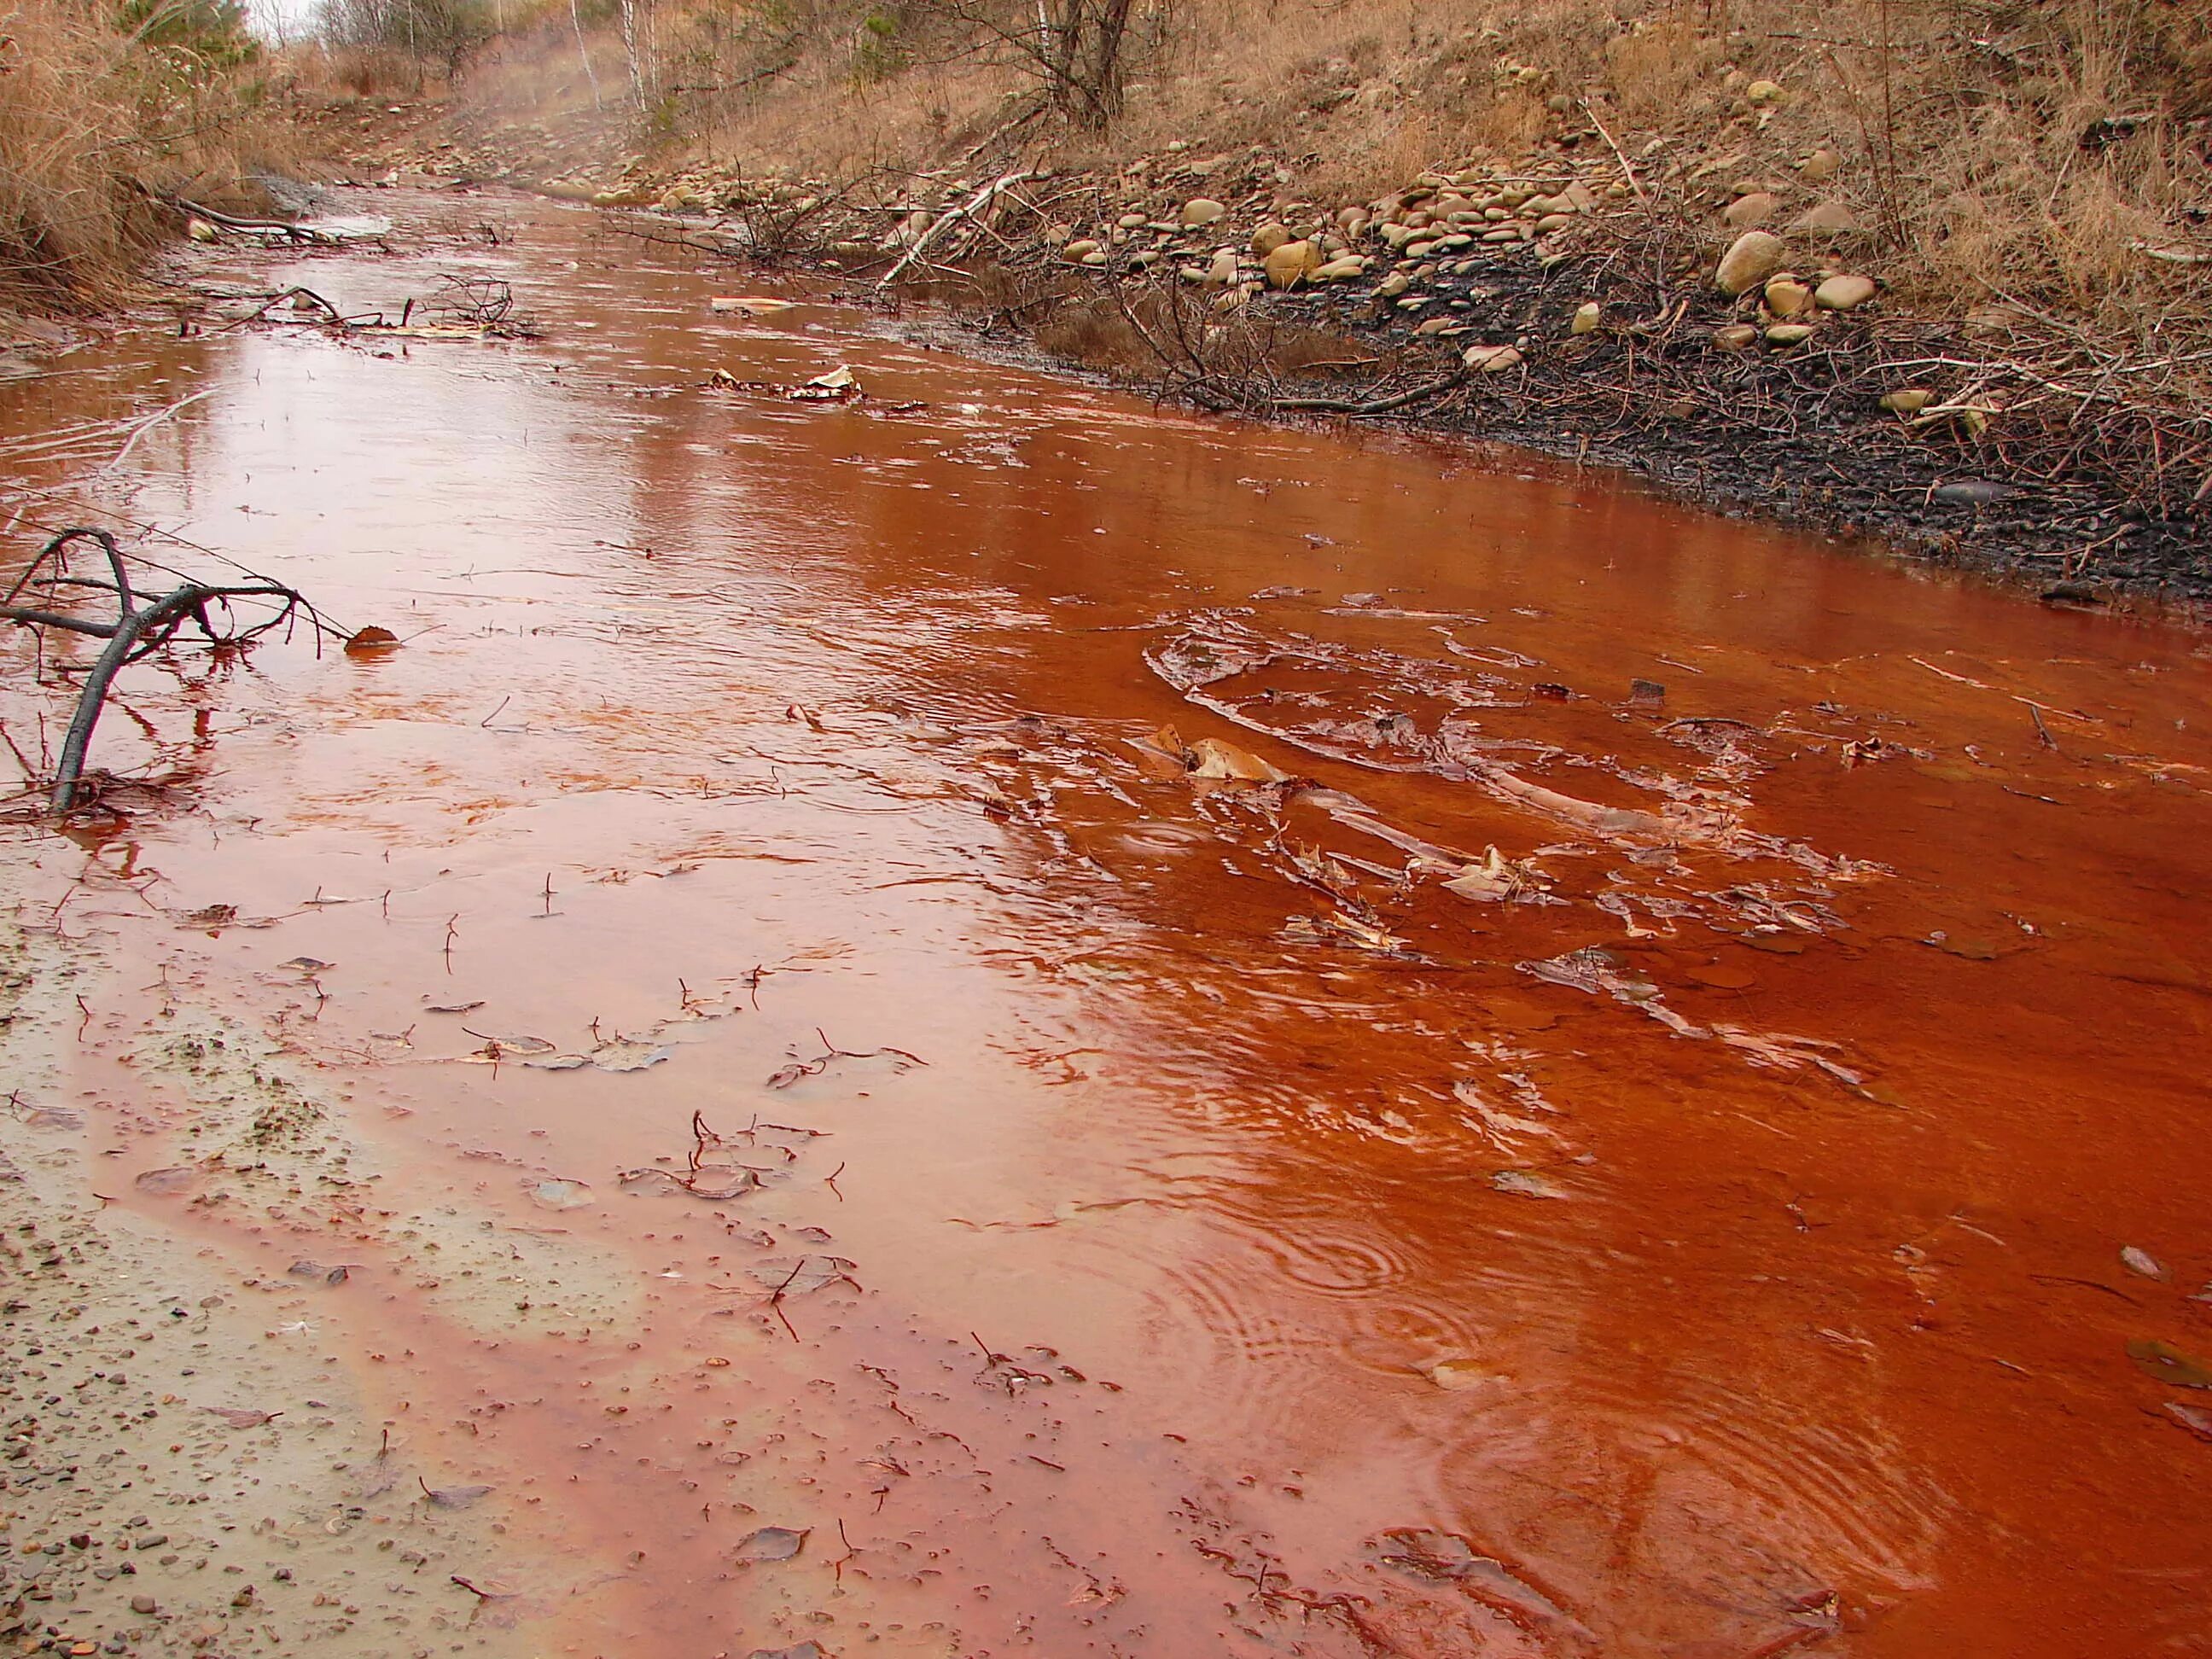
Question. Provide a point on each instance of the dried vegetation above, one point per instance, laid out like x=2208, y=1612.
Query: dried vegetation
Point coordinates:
x=104, y=113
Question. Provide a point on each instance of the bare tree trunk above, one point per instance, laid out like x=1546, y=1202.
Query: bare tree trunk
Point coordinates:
x=576, y=17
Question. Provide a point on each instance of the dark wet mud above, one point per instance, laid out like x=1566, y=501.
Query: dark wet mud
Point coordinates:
x=984, y=1020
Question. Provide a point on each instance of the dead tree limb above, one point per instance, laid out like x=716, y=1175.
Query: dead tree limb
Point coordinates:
x=141, y=626
x=980, y=202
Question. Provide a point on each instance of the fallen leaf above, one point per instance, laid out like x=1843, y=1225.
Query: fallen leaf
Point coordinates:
x=1526, y=1183
x=2198, y=1423
x=1446, y=1558
x=2140, y=1261
x=748, y=305
x=451, y=1497
x=810, y=1273
x=174, y=1179
x=240, y=1418
x=1496, y=879
x=372, y=641
x=2169, y=1365
x=1213, y=758
x=1458, y=1376
x=771, y=1544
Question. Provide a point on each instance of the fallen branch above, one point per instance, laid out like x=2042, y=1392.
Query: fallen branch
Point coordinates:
x=973, y=205
x=142, y=627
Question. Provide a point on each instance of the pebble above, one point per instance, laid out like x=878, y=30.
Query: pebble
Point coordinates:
x=1202, y=210
x=1490, y=359
x=1789, y=334
x=1827, y=219
x=1291, y=264
x=1754, y=208
x=1586, y=319
x=1787, y=297
x=1906, y=400
x=1845, y=293
x=145, y=1604
x=1269, y=237
x=1751, y=259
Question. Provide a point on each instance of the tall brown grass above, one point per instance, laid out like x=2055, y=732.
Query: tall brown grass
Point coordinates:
x=97, y=123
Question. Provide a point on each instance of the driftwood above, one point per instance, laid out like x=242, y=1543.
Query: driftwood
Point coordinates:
x=976, y=204
x=283, y=227
x=143, y=625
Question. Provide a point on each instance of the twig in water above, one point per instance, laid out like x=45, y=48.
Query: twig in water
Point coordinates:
x=814, y=1067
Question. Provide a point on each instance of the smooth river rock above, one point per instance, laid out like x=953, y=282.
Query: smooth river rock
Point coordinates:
x=1751, y=259
x=1845, y=293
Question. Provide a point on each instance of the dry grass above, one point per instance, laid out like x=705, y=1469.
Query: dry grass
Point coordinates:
x=2025, y=149
x=94, y=124
x=2052, y=158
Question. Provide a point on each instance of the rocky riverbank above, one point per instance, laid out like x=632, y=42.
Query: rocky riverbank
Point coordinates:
x=1722, y=328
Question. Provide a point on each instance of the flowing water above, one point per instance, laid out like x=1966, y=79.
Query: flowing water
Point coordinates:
x=1138, y=1211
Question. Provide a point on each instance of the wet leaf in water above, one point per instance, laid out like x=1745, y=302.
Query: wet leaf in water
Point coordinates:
x=174, y=1179
x=625, y=1055
x=496, y=1048
x=803, y=1651
x=315, y=1270
x=1446, y=1558
x=809, y=1274
x=309, y=965
x=770, y=1544
x=2198, y=1422
x=452, y=1008
x=1527, y=1183
x=240, y=1416
x=560, y=1063
x=2169, y=1365
x=1213, y=758
x=53, y=1117
x=1458, y=1376
x=1341, y=928
x=1724, y=977
x=748, y=305
x=558, y=1194
x=2140, y=1261
x=1498, y=879
x=372, y=641
x=451, y=1497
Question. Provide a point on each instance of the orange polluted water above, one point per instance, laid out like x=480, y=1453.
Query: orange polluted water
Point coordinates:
x=1074, y=1204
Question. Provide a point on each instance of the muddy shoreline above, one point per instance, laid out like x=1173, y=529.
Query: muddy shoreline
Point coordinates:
x=1750, y=436
x=2012, y=463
